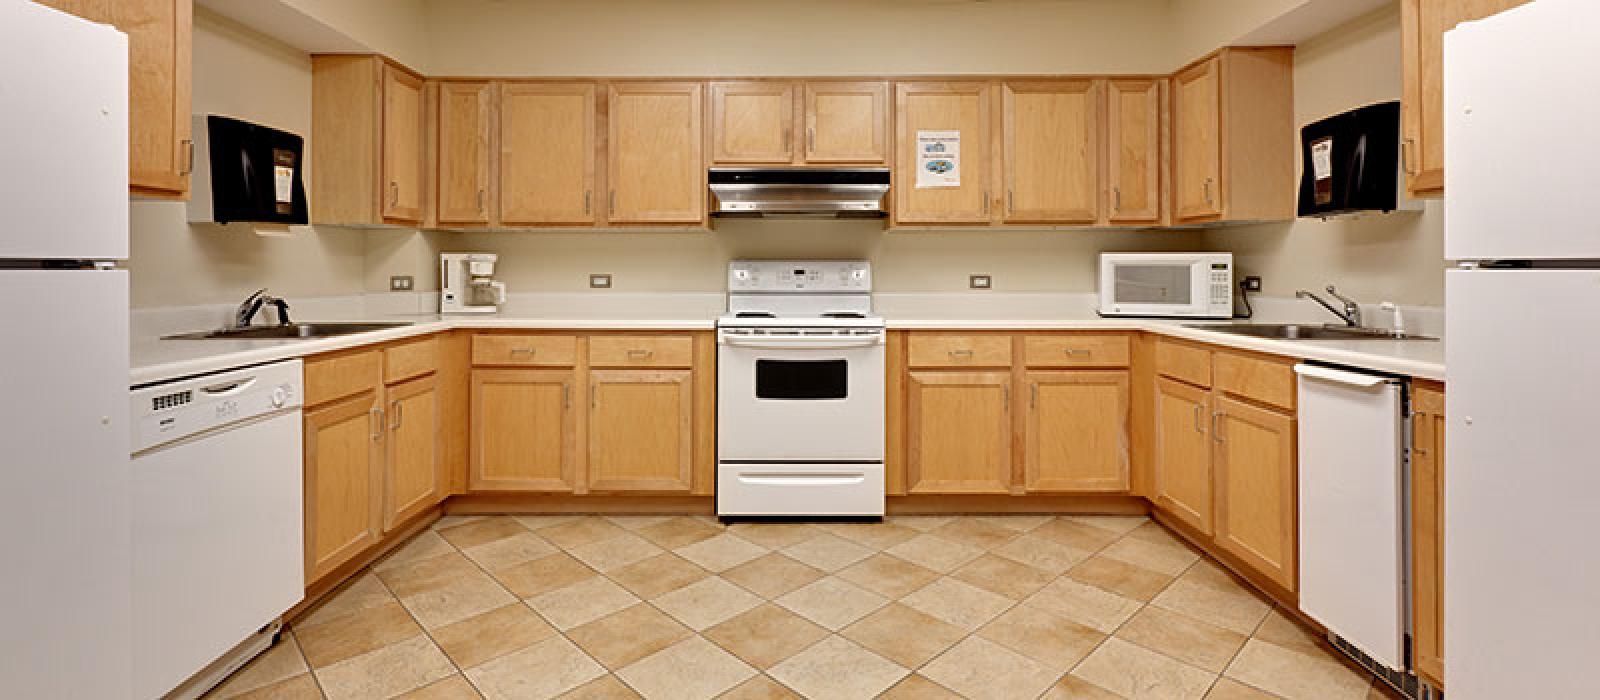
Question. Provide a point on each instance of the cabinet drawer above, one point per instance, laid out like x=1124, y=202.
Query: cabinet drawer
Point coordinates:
x=1076, y=351
x=412, y=359
x=641, y=351
x=1183, y=361
x=525, y=350
x=959, y=350
x=337, y=376
x=1259, y=378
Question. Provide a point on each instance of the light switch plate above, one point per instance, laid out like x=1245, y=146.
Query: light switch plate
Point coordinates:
x=980, y=282
x=600, y=281
x=401, y=283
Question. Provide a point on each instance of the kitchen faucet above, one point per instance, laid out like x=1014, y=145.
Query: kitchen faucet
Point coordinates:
x=1351, y=315
x=254, y=302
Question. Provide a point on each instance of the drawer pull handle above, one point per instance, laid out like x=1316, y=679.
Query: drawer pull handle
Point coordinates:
x=961, y=353
x=1076, y=351
x=525, y=351
x=640, y=353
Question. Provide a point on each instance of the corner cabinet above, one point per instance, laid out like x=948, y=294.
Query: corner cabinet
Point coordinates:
x=656, y=165
x=1234, y=138
x=960, y=107
x=367, y=160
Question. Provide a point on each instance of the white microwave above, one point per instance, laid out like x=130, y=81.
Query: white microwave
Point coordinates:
x=1186, y=285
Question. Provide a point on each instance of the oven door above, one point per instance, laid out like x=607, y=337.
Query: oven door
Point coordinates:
x=800, y=398
x=1155, y=287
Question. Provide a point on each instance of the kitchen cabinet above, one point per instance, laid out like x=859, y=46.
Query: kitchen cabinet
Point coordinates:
x=465, y=138
x=367, y=160
x=962, y=107
x=959, y=432
x=1076, y=435
x=752, y=122
x=160, y=146
x=412, y=478
x=758, y=122
x=1134, y=153
x=1427, y=531
x=656, y=166
x=847, y=122
x=548, y=162
x=344, y=458
x=1182, y=453
x=1051, y=157
x=1234, y=137
x=524, y=430
x=640, y=430
x=1253, y=462
x=1422, y=27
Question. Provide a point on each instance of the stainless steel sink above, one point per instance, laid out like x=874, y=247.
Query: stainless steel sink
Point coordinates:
x=293, y=330
x=1293, y=331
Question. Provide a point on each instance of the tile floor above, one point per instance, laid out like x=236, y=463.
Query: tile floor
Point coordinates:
x=683, y=607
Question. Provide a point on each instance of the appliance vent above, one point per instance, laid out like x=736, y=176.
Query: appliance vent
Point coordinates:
x=173, y=400
x=1405, y=684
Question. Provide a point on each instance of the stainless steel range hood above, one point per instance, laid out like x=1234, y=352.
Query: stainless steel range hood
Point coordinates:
x=799, y=192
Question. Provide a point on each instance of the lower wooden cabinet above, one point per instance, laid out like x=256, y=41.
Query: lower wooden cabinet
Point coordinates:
x=1077, y=431
x=1255, y=488
x=641, y=430
x=1182, y=453
x=343, y=481
x=412, y=478
x=1427, y=533
x=524, y=430
x=959, y=432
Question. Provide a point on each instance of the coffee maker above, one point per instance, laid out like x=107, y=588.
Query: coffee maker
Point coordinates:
x=467, y=284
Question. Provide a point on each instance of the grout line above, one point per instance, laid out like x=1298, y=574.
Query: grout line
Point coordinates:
x=425, y=631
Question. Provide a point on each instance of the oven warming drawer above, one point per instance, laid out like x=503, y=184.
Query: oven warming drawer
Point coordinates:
x=800, y=489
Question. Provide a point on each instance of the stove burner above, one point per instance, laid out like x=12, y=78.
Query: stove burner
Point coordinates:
x=755, y=314
x=843, y=314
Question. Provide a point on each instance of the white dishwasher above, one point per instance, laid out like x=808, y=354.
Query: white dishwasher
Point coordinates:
x=1353, y=506
x=218, y=549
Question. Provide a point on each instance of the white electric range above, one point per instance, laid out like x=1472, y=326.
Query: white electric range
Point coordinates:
x=800, y=391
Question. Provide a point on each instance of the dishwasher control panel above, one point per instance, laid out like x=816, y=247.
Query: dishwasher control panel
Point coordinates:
x=174, y=410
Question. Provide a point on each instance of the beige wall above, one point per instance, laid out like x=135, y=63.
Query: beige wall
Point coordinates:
x=394, y=28
x=1199, y=26
x=1376, y=257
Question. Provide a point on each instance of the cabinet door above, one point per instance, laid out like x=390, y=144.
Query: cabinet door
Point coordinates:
x=402, y=146
x=412, y=481
x=1197, y=141
x=640, y=430
x=1077, y=431
x=1182, y=464
x=752, y=122
x=657, y=170
x=1134, y=161
x=547, y=153
x=959, y=107
x=1052, y=151
x=959, y=432
x=524, y=431
x=1427, y=533
x=464, y=148
x=160, y=149
x=343, y=481
x=847, y=122
x=1253, y=460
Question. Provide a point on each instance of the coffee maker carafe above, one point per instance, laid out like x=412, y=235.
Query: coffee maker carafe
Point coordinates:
x=467, y=283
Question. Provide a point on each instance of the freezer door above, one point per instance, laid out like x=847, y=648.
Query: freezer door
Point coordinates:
x=64, y=431
x=1520, y=146
x=1522, y=494
x=63, y=136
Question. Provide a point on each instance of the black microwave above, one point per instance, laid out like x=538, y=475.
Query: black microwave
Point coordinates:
x=1350, y=162
x=246, y=172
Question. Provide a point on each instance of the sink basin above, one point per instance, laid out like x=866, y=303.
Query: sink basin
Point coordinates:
x=293, y=330
x=1293, y=331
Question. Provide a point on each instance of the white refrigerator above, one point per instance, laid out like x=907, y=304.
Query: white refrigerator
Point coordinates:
x=64, y=526
x=1522, y=487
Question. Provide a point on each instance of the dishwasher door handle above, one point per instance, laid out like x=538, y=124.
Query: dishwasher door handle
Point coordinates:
x=1345, y=377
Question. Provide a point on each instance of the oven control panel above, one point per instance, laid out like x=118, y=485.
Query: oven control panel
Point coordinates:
x=799, y=275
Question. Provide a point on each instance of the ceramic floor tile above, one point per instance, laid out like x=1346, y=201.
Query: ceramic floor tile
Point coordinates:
x=454, y=687
x=1019, y=523
x=720, y=553
x=1231, y=607
x=427, y=575
x=1169, y=559
x=691, y=669
x=982, y=670
x=1042, y=636
x=278, y=664
x=386, y=672
x=759, y=688
x=1121, y=578
x=1118, y=524
x=1009, y=578
x=1042, y=553
x=1139, y=674
x=540, y=522
x=579, y=532
x=480, y=532
x=449, y=521
x=827, y=552
x=922, y=523
x=874, y=536
x=888, y=576
x=606, y=687
x=765, y=635
x=917, y=687
x=1279, y=629
x=581, y=602
x=637, y=522
x=425, y=545
x=772, y=575
x=1181, y=637
x=529, y=579
x=509, y=551
x=365, y=591
x=1297, y=676
x=673, y=533
x=838, y=669
x=1229, y=689
x=960, y=604
x=903, y=635
x=976, y=533
x=774, y=535
x=457, y=600
x=659, y=574
x=482, y=637
x=705, y=603
x=1074, y=688
x=624, y=637
x=831, y=602
x=1076, y=535
x=301, y=687
x=544, y=670
x=615, y=553
x=1154, y=533
x=935, y=553
x=1086, y=605
x=355, y=633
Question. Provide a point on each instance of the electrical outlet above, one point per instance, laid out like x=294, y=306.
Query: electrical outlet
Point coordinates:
x=600, y=281
x=401, y=283
x=1251, y=284
x=980, y=282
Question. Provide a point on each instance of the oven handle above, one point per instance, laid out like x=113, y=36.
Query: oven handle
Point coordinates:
x=818, y=343
x=810, y=479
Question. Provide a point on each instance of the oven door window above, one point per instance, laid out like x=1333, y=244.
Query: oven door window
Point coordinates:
x=1153, y=284
x=802, y=380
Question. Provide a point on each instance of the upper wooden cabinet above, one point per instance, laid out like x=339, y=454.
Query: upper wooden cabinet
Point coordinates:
x=465, y=131
x=1423, y=24
x=752, y=122
x=1427, y=532
x=367, y=158
x=759, y=122
x=1133, y=147
x=961, y=107
x=1076, y=433
x=846, y=122
x=656, y=166
x=160, y=147
x=1233, y=137
x=548, y=161
x=1051, y=157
